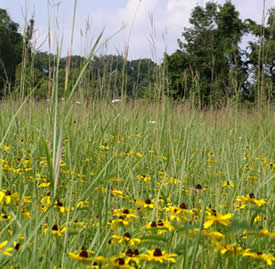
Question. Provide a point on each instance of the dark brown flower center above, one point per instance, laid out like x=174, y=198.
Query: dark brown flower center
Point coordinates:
x=125, y=211
x=198, y=187
x=83, y=253
x=251, y=195
x=183, y=206
x=148, y=202
x=17, y=246
x=127, y=235
x=120, y=261
x=8, y=193
x=160, y=223
x=129, y=253
x=153, y=224
x=214, y=212
x=55, y=227
x=59, y=203
x=157, y=252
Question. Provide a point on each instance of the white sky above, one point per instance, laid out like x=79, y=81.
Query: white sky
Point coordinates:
x=151, y=26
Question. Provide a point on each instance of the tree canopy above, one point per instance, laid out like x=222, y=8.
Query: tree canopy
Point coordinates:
x=10, y=49
x=209, y=58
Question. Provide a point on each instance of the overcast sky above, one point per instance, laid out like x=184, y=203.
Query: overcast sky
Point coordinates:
x=151, y=27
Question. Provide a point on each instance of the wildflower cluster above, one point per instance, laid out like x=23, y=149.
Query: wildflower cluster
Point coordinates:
x=123, y=205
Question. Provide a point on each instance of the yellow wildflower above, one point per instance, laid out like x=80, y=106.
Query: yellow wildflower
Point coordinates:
x=268, y=258
x=250, y=198
x=6, y=251
x=157, y=255
x=217, y=217
x=83, y=255
x=126, y=238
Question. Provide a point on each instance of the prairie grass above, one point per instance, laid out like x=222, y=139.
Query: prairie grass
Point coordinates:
x=133, y=184
x=139, y=176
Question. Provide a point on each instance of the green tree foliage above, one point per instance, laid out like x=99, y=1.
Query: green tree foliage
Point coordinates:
x=266, y=62
x=112, y=76
x=107, y=75
x=208, y=67
x=10, y=50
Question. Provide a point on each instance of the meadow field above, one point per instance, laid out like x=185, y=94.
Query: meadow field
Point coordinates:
x=135, y=185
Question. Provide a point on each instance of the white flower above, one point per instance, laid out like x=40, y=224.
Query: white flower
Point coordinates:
x=152, y=122
x=115, y=101
x=77, y=102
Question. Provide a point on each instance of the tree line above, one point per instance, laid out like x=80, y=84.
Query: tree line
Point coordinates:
x=210, y=67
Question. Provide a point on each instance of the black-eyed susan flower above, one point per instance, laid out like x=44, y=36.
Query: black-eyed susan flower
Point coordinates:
x=104, y=147
x=213, y=234
x=228, y=184
x=162, y=226
x=93, y=266
x=55, y=230
x=46, y=200
x=265, y=231
x=268, y=258
x=26, y=213
x=26, y=200
x=232, y=249
x=113, y=179
x=6, y=251
x=127, y=213
x=157, y=255
x=257, y=219
x=198, y=189
x=61, y=208
x=6, y=147
x=178, y=213
x=5, y=217
x=126, y=238
x=121, y=263
x=6, y=197
x=17, y=245
x=45, y=184
x=77, y=223
x=118, y=193
x=121, y=222
x=147, y=204
x=138, y=154
x=82, y=255
x=146, y=178
x=82, y=204
x=250, y=199
x=210, y=234
x=216, y=217
x=132, y=257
